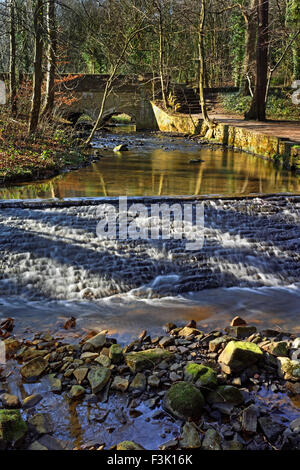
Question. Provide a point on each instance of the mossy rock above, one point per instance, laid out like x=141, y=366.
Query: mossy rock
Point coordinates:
x=129, y=445
x=116, y=354
x=226, y=394
x=184, y=401
x=201, y=375
x=12, y=427
x=212, y=440
x=289, y=369
x=140, y=360
x=239, y=355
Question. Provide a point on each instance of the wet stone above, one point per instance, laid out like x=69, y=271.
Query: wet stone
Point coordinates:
x=249, y=419
x=120, y=384
x=98, y=378
x=10, y=401
x=190, y=438
x=270, y=428
x=138, y=383
x=34, y=368
x=31, y=401
x=77, y=391
x=41, y=423
x=80, y=374
x=212, y=440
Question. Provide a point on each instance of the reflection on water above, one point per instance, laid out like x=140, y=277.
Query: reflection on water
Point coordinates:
x=160, y=165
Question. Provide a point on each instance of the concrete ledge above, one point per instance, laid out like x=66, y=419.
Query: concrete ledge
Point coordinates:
x=241, y=138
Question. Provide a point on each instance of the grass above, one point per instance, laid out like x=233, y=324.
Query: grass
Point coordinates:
x=122, y=119
x=279, y=106
x=25, y=158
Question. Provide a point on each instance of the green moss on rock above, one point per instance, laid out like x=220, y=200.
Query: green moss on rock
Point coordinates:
x=129, y=445
x=239, y=355
x=116, y=353
x=201, y=375
x=12, y=426
x=184, y=401
x=140, y=360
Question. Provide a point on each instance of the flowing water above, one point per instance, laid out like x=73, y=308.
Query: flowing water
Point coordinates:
x=54, y=264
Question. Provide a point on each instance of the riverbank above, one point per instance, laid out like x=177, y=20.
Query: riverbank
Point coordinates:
x=223, y=390
x=55, y=149
x=275, y=140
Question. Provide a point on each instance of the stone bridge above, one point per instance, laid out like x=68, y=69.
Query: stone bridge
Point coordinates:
x=129, y=95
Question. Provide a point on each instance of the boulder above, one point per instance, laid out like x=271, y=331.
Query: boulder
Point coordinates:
x=95, y=343
x=212, y=440
x=239, y=355
x=80, y=374
x=116, y=353
x=41, y=423
x=10, y=401
x=288, y=369
x=277, y=348
x=226, y=394
x=140, y=360
x=12, y=427
x=33, y=369
x=241, y=332
x=190, y=438
x=55, y=383
x=120, y=384
x=201, y=375
x=129, y=445
x=238, y=321
x=77, y=391
x=138, y=382
x=31, y=401
x=184, y=401
x=98, y=377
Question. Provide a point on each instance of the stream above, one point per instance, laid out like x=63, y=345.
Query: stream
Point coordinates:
x=54, y=265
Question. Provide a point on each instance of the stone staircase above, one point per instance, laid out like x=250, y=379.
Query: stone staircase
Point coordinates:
x=185, y=100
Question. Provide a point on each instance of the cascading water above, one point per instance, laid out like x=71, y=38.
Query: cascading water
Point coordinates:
x=54, y=254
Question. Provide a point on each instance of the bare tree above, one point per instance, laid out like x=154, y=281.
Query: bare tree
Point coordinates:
x=51, y=58
x=37, y=68
x=12, y=58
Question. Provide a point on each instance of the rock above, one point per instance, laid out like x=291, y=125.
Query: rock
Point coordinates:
x=11, y=346
x=238, y=321
x=295, y=425
x=296, y=343
x=241, y=332
x=249, y=419
x=212, y=440
x=55, y=383
x=184, y=401
x=120, y=384
x=31, y=401
x=33, y=369
x=296, y=355
x=270, y=428
x=12, y=427
x=88, y=356
x=77, y=391
x=190, y=438
x=279, y=349
x=232, y=445
x=215, y=344
x=129, y=445
x=153, y=381
x=10, y=401
x=166, y=341
x=172, y=444
x=239, y=355
x=138, y=383
x=185, y=332
x=51, y=443
x=103, y=360
x=140, y=360
x=95, y=343
x=201, y=375
x=80, y=374
x=237, y=381
x=31, y=353
x=36, y=445
x=288, y=369
x=223, y=408
x=116, y=353
x=41, y=423
x=293, y=387
x=226, y=394
x=98, y=378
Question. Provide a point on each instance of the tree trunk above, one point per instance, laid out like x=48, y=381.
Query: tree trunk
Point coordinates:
x=258, y=106
x=296, y=59
x=161, y=59
x=209, y=123
x=250, y=50
x=51, y=59
x=12, y=60
x=37, y=69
